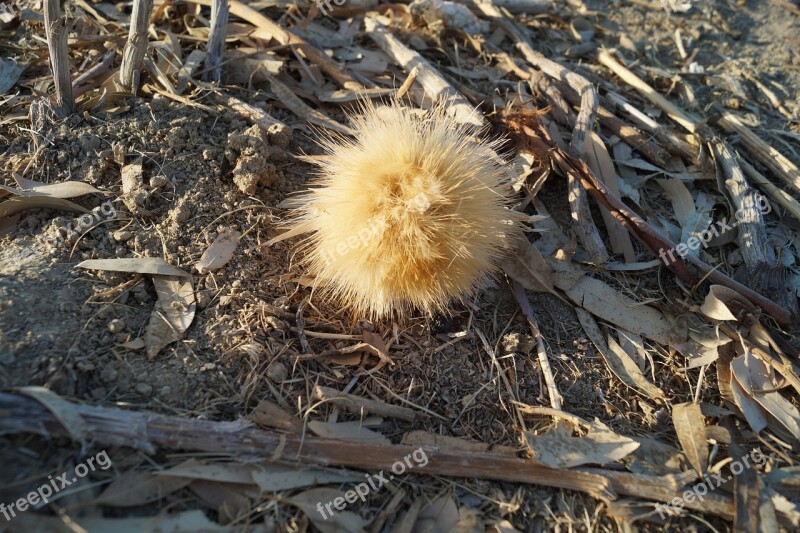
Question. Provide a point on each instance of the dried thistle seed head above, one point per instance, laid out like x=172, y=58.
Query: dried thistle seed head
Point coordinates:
x=409, y=214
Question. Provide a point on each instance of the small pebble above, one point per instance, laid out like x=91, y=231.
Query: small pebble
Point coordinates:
x=156, y=182
x=122, y=235
x=277, y=372
x=108, y=374
x=144, y=389
x=116, y=325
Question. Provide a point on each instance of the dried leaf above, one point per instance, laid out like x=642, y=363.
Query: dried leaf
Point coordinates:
x=230, y=501
x=182, y=522
x=140, y=265
x=719, y=301
x=270, y=414
x=221, y=472
x=220, y=252
x=608, y=303
x=172, y=315
x=617, y=360
x=17, y=204
x=529, y=268
x=690, y=427
x=133, y=488
x=9, y=74
x=274, y=478
x=558, y=448
x=758, y=381
x=338, y=522
x=352, y=431
x=65, y=189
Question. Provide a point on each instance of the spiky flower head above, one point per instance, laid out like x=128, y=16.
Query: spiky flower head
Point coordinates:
x=409, y=213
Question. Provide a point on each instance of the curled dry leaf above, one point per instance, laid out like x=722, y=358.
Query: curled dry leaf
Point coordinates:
x=715, y=304
x=270, y=414
x=172, y=315
x=63, y=410
x=558, y=448
x=220, y=252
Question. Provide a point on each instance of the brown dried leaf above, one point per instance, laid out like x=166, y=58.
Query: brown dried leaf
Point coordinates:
x=558, y=448
x=528, y=267
x=220, y=252
x=690, y=427
x=172, y=315
x=600, y=162
x=608, y=303
x=352, y=431
x=140, y=265
x=274, y=478
x=439, y=515
x=270, y=414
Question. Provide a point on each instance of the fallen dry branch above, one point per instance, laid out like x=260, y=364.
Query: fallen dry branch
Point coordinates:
x=148, y=432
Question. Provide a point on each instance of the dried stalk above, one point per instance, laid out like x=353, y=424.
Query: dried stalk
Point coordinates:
x=55, y=24
x=677, y=145
x=677, y=114
x=436, y=87
x=549, y=379
x=136, y=47
x=216, y=40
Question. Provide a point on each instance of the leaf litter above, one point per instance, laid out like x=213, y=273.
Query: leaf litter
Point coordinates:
x=694, y=341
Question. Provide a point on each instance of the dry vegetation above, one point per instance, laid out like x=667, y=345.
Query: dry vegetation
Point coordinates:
x=633, y=349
